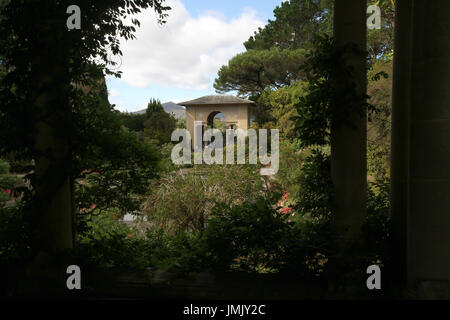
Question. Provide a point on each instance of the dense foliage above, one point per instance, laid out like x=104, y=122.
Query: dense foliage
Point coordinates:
x=296, y=22
x=8, y=182
x=158, y=124
x=155, y=126
x=183, y=200
x=54, y=113
x=280, y=108
x=326, y=103
x=252, y=72
x=192, y=217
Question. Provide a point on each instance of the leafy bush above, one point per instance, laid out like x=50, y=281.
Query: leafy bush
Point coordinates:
x=113, y=244
x=183, y=200
x=326, y=105
x=116, y=175
x=245, y=237
x=310, y=192
x=379, y=126
x=378, y=158
x=109, y=243
x=8, y=182
x=238, y=231
x=256, y=237
x=377, y=226
x=15, y=234
x=316, y=187
x=184, y=251
x=292, y=158
x=305, y=176
x=280, y=104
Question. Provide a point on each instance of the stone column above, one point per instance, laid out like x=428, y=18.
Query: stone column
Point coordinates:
x=349, y=145
x=428, y=219
x=190, y=118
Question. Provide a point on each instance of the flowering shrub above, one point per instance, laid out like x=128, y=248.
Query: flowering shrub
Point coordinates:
x=8, y=182
x=257, y=237
x=286, y=210
x=284, y=204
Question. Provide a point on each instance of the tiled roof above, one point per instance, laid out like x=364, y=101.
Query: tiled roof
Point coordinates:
x=216, y=99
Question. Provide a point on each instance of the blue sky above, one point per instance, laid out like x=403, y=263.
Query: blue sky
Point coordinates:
x=179, y=61
x=230, y=8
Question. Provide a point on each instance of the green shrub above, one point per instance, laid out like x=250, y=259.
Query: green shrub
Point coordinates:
x=256, y=237
x=181, y=201
x=110, y=243
x=378, y=158
x=7, y=181
x=316, y=187
x=184, y=251
x=292, y=158
x=244, y=237
x=377, y=226
x=305, y=248
x=15, y=234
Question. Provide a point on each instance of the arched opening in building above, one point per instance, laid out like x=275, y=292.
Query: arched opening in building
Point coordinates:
x=216, y=120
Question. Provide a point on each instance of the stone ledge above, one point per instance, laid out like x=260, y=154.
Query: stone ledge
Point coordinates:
x=434, y=290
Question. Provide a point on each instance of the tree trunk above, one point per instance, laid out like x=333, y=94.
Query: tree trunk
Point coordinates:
x=52, y=204
x=348, y=145
x=400, y=140
x=53, y=191
x=52, y=155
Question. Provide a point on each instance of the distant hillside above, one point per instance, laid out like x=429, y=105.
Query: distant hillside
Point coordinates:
x=176, y=110
x=179, y=112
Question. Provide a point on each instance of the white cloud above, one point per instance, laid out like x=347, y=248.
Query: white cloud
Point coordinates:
x=113, y=93
x=187, y=50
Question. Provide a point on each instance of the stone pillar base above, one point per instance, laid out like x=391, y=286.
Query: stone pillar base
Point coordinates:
x=434, y=290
